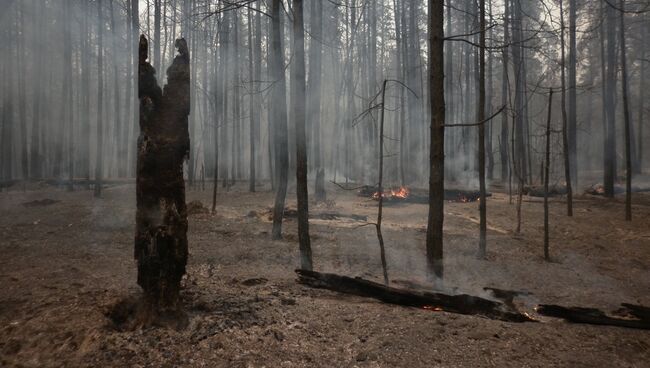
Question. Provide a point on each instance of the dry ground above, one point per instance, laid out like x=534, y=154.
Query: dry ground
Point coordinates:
x=63, y=265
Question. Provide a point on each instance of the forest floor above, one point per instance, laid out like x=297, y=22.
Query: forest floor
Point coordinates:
x=65, y=264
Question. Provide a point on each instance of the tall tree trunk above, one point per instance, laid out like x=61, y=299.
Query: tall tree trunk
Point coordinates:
x=298, y=110
x=572, y=110
x=503, y=143
x=314, y=105
x=610, y=136
x=482, y=248
x=626, y=114
x=642, y=85
x=278, y=106
x=156, y=37
x=35, y=157
x=547, y=165
x=565, y=137
x=434, y=243
x=116, y=85
x=68, y=96
x=99, y=168
x=22, y=108
x=161, y=217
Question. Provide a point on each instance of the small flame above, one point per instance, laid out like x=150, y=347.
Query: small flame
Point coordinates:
x=401, y=193
x=432, y=308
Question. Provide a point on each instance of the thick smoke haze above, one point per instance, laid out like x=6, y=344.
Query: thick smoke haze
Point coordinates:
x=69, y=102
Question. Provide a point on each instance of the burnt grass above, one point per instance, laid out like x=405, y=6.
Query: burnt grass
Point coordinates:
x=68, y=284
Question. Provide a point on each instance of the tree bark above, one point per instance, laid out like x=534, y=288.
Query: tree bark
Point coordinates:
x=547, y=165
x=314, y=105
x=565, y=134
x=99, y=168
x=626, y=115
x=278, y=106
x=434, y=244
x=298, y=110
x=161, y=217
x=482, y=247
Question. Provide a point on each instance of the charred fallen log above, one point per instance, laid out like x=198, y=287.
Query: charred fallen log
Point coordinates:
x=461, y=303
x=595, y=316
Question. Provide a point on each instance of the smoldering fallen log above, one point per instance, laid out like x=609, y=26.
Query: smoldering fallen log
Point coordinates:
x=461, y=303
x=329, y=216
x=599, y=190
x=595, y=316
x=538, y=191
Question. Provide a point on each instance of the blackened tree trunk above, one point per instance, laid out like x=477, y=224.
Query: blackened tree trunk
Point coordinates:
x=99, y=168
x=161, y=217
x=610, y=103
x=278, y=106
x=434, y=243
x=626, y=115
x=298, y=110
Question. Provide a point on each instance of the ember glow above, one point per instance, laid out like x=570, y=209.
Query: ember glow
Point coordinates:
x=432, y=308
x=397, y=193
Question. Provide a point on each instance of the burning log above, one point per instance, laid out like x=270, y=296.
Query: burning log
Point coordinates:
x=595, y=316
x=406, y=195
x=461, y=303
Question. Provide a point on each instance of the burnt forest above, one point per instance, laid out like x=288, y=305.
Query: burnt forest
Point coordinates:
x=324, y=183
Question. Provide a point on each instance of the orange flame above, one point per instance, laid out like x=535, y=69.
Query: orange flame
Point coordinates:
x=401, y=193
x=432, y=308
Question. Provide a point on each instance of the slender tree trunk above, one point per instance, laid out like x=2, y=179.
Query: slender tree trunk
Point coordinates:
x=572, y=111
x=547, y=164
x=565, y=137
x=22, y=108
x=482, y=248
x=314, y=105
x=35, y=157
x=116, y=85
x=626, y=115
x=299, y=116
x=434, y=243
x=156, y=38
x=642, y=86
x=99, y=168
x=380, y=237
x=503, y=144
x=610, y=136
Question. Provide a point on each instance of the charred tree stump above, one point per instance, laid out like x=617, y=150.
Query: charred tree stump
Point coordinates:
x=161, y=217
x=461, y=303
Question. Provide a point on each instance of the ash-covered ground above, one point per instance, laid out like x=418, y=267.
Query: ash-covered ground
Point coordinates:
x=67, y=260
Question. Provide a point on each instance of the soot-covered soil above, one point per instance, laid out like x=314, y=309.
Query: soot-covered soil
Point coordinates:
x=67, y=260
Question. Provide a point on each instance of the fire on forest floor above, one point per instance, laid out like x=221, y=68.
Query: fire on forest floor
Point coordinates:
x=66, y=264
